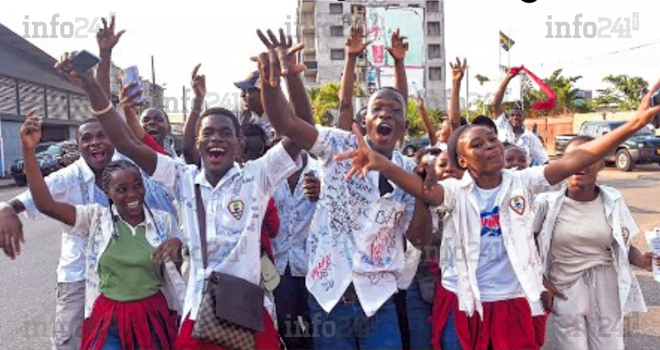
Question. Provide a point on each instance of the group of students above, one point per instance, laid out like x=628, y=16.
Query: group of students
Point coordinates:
x=485, y=244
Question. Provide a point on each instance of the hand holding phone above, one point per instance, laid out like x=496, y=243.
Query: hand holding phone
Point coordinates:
x=132, y=76
x=84, y=61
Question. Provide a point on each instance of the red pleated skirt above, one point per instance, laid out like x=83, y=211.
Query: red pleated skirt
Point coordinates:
x=141, y=324
x=506, y=324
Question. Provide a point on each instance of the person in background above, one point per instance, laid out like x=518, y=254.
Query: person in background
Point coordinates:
x=127, y=246
x=253, y=110
x=515, y=157
x=512, y=128
x=296, y=202
x=585, y=235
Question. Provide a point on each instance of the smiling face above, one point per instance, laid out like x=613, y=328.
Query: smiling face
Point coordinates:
x=586, y=177
x=480, y=151
x=95, y=148
x=126, y=190
x=444, y=169
x=218, y=143
x=155, y=123
x=515, y=158
x=385, y=124
x=517, y=119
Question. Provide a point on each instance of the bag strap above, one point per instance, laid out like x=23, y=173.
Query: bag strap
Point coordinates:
x=201, y=222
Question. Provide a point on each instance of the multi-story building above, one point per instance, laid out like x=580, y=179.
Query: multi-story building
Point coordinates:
x=324, y=26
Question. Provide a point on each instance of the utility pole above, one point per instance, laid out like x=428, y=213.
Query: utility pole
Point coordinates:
x=184, y=104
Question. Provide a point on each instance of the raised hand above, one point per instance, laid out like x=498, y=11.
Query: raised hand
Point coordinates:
x=458, y=70
x=79, y=79
x=285, y=51
x=355, y=43
x=645, y=112
x=399, y=46
x=198, y=83
x=364, y=158
x=106, y=36
x=31, y=131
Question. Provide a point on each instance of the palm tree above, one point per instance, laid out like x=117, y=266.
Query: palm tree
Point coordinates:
x=482, y=79
x=625, y=92
x=568, y=97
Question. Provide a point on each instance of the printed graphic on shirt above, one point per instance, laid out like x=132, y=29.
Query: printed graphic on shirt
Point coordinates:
x=490, y=223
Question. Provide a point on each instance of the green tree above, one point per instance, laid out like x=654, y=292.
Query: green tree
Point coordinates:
x=324, y=99
x=625, y=92
x=481, y=78
x=415, y=123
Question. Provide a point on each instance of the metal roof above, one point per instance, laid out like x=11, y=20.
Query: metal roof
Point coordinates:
x=21, y=59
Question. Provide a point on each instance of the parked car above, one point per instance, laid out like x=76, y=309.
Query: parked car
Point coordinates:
x=411, y=146
x=641, y=148
x=51, y=157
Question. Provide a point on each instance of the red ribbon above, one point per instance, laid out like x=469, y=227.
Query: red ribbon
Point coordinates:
x=550, y=102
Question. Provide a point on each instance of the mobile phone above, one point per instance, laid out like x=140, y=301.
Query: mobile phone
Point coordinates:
x=655, y=99
x=84, y=61
x=132, y=75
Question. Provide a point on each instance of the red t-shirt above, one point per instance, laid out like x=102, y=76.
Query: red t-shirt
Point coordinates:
x=150, y=142
x=270, y=227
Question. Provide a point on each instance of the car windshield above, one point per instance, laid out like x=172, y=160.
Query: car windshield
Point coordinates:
x=645, y=131
x=53, y=150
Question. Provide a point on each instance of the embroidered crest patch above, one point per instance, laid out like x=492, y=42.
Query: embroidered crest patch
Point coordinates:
x=236, y=208
x=518, y=204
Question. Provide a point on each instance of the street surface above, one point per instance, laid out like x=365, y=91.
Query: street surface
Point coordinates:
x=28, y=284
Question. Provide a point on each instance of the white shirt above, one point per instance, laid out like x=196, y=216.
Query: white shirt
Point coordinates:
x=295, y=212
x=235, y=208
x=463, y=227
x=76, y=185
x=536, y=153
x=356, y=235
x=624, y=230
x=94, y=222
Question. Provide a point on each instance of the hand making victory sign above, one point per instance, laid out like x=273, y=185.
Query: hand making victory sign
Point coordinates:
x=355, y=43
x=399, y=46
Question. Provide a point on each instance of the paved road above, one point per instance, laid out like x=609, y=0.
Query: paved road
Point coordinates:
x=28, y=284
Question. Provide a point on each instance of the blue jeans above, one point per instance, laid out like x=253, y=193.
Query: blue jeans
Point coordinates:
x=113, y=342
x=449, y=337
x=419, y=312
x=347, y=327
x=291, y=303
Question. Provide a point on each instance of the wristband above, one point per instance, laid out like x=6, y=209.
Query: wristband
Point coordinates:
x=103, y=111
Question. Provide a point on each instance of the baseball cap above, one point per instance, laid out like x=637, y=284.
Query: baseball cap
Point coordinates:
x=251, y=82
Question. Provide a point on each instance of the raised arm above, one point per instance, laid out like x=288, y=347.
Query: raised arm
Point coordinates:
x=428, y=125
x=272, y=65
x=106, y=39
x=43, y=200
x=593, y=151
x=420, y=230
x=398, y=51
x=499, y=95
x=198, y=83
x=366, y=160
x=114, y=126
x=457, y=73
x=354, y=46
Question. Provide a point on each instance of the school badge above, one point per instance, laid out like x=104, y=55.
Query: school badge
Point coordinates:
x=236, y=208
x=518, y=204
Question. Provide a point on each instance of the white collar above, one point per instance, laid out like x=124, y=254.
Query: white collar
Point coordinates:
x=200, y=178
x=149, y=221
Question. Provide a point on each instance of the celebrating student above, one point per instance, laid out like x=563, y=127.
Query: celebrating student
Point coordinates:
x=489, y=208
x=585, y=247
x=127, y=245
